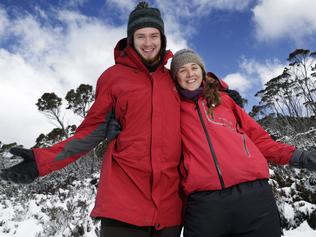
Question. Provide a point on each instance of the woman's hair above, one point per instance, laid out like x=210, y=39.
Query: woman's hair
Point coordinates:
x=211, y=92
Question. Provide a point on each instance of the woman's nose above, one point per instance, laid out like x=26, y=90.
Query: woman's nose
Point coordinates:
x=190, y=73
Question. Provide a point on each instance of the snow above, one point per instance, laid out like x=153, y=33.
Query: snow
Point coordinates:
x=27, y=228
x=289, y=212
x=56, y=214
x=302, y=231
x=304, y=207
x=46, y=215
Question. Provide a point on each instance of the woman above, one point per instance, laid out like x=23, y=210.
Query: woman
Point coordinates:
x=225, y=169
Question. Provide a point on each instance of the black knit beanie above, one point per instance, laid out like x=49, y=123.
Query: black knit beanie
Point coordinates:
x=144, y=16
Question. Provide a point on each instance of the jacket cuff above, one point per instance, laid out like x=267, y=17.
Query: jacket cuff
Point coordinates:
x=295, y=159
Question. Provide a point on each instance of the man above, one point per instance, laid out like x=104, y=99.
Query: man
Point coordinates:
x=138, y=193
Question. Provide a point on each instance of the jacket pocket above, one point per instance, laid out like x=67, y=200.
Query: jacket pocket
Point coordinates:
x=244, y=145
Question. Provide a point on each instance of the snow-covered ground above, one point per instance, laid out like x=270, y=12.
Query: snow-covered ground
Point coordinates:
x=66, y=213
x=303, y=230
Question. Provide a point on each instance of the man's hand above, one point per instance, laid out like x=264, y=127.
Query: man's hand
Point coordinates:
x=25, y=172
x=304, y=159
x=113, y=127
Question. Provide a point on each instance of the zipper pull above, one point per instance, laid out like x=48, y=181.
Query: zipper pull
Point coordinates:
x=196, y=102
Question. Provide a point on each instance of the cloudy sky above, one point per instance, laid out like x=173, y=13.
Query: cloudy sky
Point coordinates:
x=54, y=46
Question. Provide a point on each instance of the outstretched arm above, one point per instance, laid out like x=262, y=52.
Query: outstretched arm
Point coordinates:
x=98, y=125
x=27, y=171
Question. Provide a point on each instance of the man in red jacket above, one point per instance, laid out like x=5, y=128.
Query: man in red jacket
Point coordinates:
x=138, y=193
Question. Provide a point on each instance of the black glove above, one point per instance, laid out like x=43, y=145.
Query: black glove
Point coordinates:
x=113, y=127
x=304, y=159
x=25, y=172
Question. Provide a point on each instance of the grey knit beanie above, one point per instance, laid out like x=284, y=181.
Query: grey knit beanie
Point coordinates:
x=144, y=16
x=183, y=57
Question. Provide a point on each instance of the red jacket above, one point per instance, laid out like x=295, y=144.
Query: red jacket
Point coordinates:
x=139, y=180
x=241, y=147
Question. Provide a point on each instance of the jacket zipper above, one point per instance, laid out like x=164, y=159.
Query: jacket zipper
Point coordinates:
x=245, y=145
x=219, y=172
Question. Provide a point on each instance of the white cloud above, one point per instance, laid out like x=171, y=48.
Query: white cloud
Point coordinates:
x=252, y=75
x=46, y=58
x=261, y=71
x=200, y=8
x=238, y=81
x=124, y=6
x=294, y=19
x=21, y=85
x=176, y=39
x=237, y=5
x=74, y=3
x=34, y=39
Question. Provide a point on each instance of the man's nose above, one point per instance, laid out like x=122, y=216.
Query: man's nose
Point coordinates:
x=147, y=41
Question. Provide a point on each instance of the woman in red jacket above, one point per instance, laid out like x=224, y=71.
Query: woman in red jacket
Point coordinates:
x=226, y=155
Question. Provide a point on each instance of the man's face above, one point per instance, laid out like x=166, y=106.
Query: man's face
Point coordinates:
x=147, y=42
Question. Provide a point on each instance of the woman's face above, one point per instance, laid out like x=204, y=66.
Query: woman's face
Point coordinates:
x=189, y=76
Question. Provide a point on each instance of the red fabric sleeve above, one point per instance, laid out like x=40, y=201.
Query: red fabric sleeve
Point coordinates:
x=275, y=152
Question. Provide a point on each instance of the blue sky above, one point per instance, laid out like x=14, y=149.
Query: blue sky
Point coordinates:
x=53, y=46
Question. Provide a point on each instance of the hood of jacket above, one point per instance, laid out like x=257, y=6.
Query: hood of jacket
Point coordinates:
x=223, y=85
